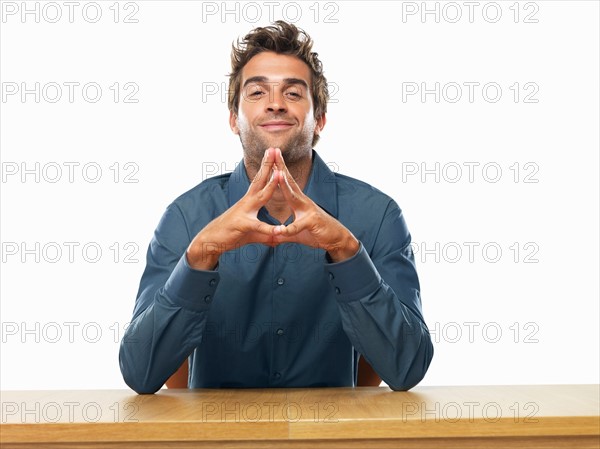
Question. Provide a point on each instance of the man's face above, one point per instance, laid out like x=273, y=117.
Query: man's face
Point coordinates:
x=276, y=108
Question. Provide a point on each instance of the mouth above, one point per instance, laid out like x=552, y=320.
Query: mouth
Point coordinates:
x=276, y=125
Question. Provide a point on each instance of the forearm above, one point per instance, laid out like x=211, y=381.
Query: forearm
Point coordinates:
x=389, y=334
x=163, y=335
x=157, y=342
x=392, y=340
x=204, y=251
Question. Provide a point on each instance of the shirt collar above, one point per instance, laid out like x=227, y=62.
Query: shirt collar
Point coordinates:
x=321, y=186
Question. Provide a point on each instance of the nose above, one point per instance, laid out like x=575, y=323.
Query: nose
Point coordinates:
x=276, y=101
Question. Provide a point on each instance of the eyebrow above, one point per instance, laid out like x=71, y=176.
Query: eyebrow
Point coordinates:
x=264, y=79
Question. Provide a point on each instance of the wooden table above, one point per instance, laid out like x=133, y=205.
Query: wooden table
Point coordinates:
x=434, y=417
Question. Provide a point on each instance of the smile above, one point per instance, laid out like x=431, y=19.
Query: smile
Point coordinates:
x=276, y=126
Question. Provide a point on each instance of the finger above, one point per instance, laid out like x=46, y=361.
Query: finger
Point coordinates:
x=264, y=172
x=280, y=164
x=294, y=233
x=263, y=228
x=290, y=230
x=293, y=196
x=261, y=197
x=278, y=239
x=289, y=188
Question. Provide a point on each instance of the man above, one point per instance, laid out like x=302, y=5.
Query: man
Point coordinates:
x=282, y=273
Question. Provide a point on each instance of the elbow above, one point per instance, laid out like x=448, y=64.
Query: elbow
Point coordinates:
x=134, y=379
x=142, y=388
x=406, y=384
x=410, y=377
x=400, y=387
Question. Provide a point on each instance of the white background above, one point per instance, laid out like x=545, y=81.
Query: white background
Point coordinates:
x=527, y=315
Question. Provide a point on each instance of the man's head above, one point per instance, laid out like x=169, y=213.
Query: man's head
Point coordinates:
x=277, y=92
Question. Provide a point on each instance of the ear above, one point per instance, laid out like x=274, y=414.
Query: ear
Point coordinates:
x=233, y=122
x=320, y=124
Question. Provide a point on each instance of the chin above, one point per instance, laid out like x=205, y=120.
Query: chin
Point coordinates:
x=283, y=146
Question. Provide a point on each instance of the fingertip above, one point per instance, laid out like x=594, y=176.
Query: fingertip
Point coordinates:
x=270, y=155
x=278, y=155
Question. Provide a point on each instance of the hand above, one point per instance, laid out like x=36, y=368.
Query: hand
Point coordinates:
x=312, y=226
x=239, y=224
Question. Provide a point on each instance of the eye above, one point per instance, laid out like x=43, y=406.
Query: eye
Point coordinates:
x=253, y=91
x=294, y=94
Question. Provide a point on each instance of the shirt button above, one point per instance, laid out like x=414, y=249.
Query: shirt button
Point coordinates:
x=280, y=281
x=280, y=332
x=212, y=282
x=337, y=290
x=331, y=276
x=277, y=375
x=207, y=299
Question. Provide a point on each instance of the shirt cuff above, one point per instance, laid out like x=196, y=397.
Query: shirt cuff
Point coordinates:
x=353, y=278
x=190, y=288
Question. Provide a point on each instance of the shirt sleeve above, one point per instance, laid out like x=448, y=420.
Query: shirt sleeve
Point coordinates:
x=380, y=305
x=170, y=309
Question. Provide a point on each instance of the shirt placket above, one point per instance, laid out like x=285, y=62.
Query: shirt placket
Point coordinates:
x=278, y=328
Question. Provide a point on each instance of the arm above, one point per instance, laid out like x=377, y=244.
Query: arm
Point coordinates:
x=378, y=294
x=170, y=311
x=380, y=305
x=179, y=283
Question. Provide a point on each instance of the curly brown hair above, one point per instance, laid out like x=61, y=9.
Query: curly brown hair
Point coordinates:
x=282, y=38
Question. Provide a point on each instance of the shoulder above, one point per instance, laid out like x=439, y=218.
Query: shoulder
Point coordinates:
x=207, y=198
x=370, y=214
x=363, y=193
x=207, y=188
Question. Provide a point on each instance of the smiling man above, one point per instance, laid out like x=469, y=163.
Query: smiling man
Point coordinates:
x=282, y=273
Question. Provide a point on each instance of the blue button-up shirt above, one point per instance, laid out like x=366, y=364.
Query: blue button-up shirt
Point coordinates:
x=281, y=316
